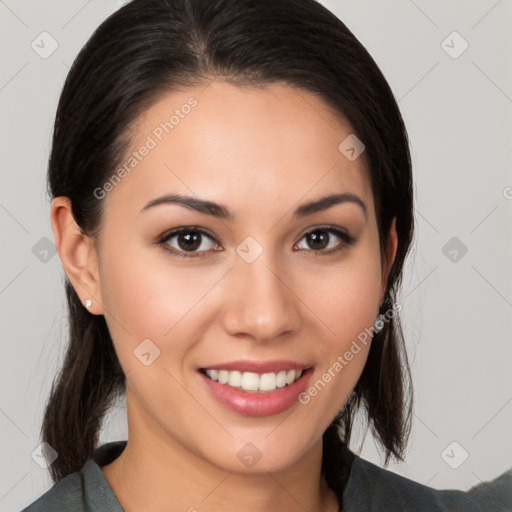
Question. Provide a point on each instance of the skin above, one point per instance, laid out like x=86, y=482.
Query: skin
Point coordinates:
x=260, y=152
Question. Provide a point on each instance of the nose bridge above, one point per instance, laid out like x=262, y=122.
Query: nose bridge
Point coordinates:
x=262, y=304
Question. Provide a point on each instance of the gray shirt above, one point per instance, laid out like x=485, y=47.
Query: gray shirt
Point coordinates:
x=369, y=489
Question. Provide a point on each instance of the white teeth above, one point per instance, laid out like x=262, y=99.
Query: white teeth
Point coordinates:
x=281, y=379
x=268, y=382
x=250, y=381
x=235, y=379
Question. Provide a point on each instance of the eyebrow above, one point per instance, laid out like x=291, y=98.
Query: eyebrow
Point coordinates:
x=221, y=212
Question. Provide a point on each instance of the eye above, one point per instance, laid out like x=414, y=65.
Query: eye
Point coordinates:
x=188, y=242
x=323, y=239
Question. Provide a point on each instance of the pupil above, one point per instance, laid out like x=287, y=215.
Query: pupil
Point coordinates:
x=318, y=239
x=189, y=241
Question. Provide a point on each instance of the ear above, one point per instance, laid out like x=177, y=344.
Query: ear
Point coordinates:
x=389, y=257
x=77, y=254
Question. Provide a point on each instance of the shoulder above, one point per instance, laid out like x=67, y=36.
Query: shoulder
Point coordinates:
x=86, y=490
x=65, y=495
x=372, y=488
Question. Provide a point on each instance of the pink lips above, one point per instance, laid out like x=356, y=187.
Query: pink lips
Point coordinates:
x=245, y=365
x=258, y=403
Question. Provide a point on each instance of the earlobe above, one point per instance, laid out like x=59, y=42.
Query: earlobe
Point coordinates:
x=77, y=254
x=391, y=248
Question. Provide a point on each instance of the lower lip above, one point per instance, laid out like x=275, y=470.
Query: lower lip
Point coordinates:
x=258, y=404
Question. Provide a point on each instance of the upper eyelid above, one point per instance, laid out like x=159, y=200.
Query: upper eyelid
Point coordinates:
x=184, y=229
x=338, y=231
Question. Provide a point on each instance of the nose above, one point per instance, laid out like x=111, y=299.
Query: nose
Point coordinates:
x=261, y=303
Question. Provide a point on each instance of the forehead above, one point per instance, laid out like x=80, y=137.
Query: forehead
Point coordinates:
x=240, y=145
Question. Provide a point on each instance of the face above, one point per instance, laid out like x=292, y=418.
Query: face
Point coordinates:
x=226, y=318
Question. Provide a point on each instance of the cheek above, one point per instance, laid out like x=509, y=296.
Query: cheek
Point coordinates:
x=345, y=301
x=148, y=299
x=346, y=297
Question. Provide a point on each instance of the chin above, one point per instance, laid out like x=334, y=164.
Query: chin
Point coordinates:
x=261, y=455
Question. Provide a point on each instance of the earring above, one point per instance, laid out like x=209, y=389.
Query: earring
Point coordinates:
x=88, y=303
x=379, y=321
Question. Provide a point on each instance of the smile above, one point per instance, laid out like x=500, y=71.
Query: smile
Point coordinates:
x=256, y=388
x=250, y=381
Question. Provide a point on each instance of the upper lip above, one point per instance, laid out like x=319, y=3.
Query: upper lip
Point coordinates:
x=254, y=366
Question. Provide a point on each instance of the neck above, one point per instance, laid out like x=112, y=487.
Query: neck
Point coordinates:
x=154, y=472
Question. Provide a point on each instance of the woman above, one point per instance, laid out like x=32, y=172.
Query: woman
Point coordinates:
x=232, y=205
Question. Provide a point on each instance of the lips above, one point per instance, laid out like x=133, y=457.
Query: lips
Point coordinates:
x=257, y=388
x=260, y=367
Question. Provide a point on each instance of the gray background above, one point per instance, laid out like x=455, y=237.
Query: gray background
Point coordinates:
x=457, y=314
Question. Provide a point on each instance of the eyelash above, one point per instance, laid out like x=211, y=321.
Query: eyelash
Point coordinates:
x=347, y=240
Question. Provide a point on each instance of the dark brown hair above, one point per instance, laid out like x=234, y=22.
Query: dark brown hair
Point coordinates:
x=152, y=47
